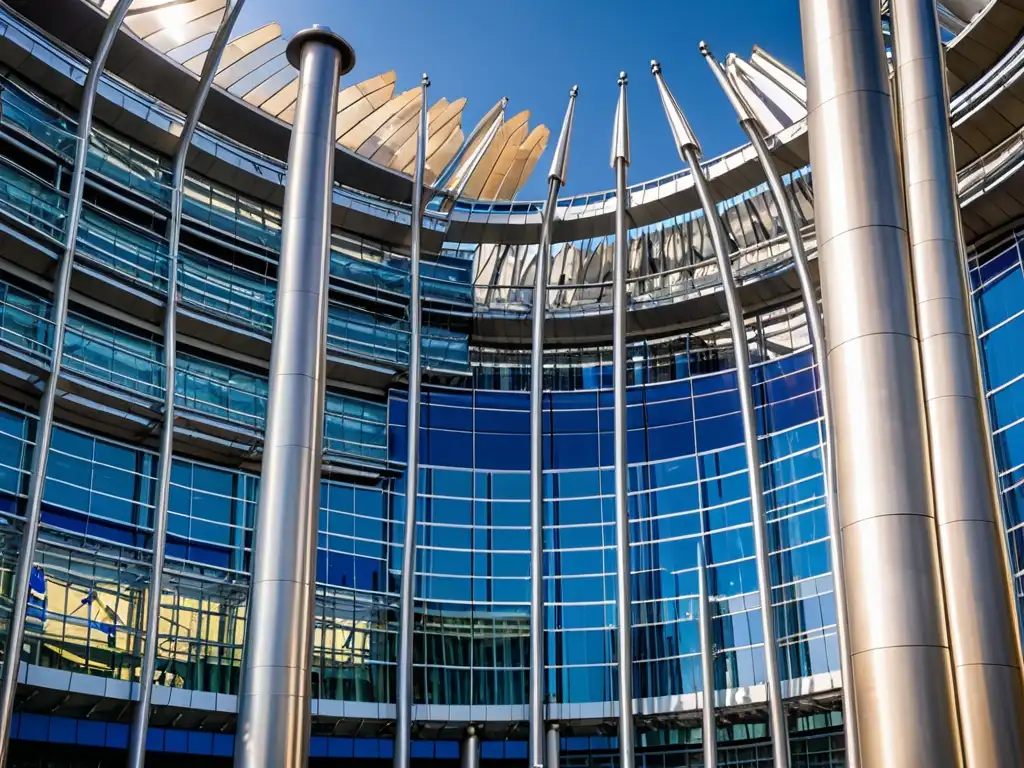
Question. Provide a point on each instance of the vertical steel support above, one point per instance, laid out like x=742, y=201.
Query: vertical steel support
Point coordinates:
x=902, y=670
x=754, y=130
x=979, y=602
x=140, y=719
x=470, y=752
x=407, y=597
x=707, y=663
x=624, y=605
x=554, y=747
x=274, y=705
x=47, y=402
x=689, y=149
x=556, y=178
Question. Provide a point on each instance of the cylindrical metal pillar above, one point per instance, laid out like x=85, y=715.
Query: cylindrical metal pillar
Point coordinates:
x=979, y=602
x=140, y=719
x=554, y=750
x=47, y=402
x=808, y=291
x=469, y=754
x=898, y=638
x=707, y=664
x=689, y=150
x=624, y=604
x=274, y=705
x=556, y=177
x=407, y=597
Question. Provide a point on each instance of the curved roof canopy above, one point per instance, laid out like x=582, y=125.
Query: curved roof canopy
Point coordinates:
x=372, y=120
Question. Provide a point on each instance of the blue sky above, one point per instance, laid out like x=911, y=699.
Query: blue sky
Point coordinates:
x=533, y=51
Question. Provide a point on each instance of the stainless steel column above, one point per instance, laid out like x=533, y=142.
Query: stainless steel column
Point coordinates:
x=140, y=719
x=554, y=751
x=470, y=752
x=274, y=705
x=556, y=178
x=44, y=424
x=979, y=602
x=898, y=639
x=624, y=605
x=755, y=132
x=689, y=149
x=407, y=597
x=707, y=664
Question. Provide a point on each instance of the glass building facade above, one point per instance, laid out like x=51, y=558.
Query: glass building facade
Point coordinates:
x=687, y=475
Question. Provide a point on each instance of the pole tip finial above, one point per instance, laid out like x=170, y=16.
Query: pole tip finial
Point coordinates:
x=655, y=67
x=705, y=51
x=623, y=80
x=574, y=91
x=425, y=80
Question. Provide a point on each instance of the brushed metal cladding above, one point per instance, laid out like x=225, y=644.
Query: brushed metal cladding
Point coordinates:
x=902, y=671
x=979, y=599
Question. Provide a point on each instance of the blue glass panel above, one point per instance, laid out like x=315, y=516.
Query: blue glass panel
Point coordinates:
x=1000, y=299
x=139, y=256
x=1001, y=363
x=31, y=202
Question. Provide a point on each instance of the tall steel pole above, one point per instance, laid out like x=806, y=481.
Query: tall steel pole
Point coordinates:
x=44, y=424
x=470, y=751
x=556, y=178
x=274, y=705
x=140, y=719
x=972, y=546
x=407, y=598
x=690, y=151
x=755, y=132
x=624, y=605
x=554, y=751
x=707, y=663
x=902, y=670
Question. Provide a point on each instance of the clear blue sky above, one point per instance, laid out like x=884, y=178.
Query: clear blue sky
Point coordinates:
x=533, y=51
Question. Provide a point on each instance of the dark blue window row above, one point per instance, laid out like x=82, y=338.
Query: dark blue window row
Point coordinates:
x=490, y=430
x=92, y=733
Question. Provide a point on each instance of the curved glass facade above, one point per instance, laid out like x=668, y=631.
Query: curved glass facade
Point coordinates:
x=688, y=485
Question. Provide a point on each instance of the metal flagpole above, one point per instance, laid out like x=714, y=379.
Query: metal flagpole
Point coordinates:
x=556, y=178
x=407, y=597
x=44, y=424
x=140, y=719
x=624, y=605
x=707, y=663
x=755, y=132
x=690, y=151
